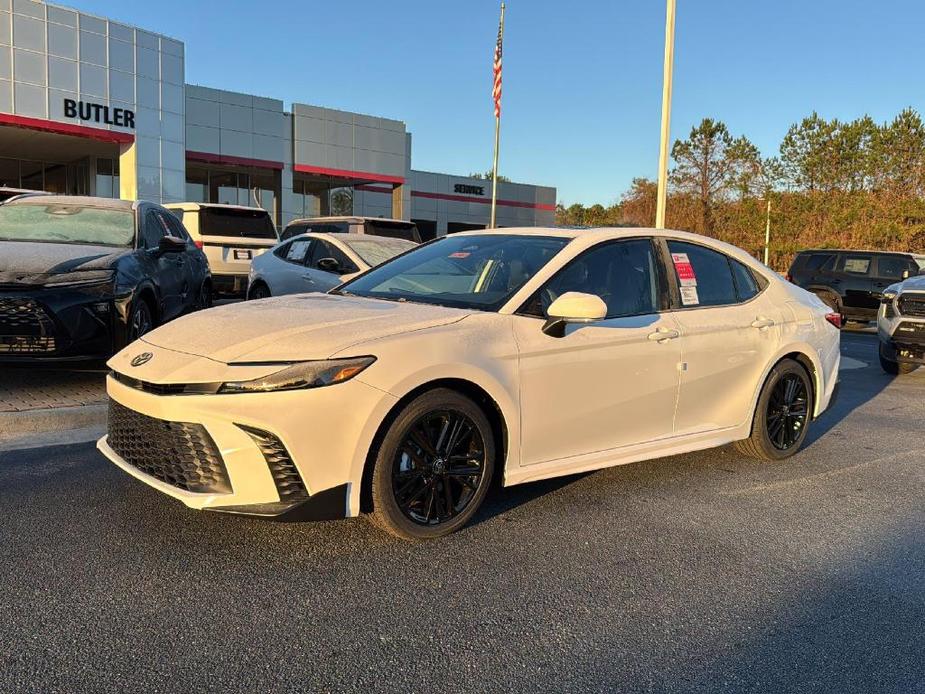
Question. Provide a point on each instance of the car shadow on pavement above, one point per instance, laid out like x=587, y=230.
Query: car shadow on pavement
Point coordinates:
x=856, y=388
x=853, y=630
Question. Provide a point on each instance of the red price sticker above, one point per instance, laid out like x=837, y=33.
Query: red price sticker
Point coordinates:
x=458, y=254
x=685, y=270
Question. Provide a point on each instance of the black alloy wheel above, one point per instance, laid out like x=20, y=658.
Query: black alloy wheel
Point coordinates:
x=141, y=320
x=433, y=467
x=438, y=468
x=205, y=296
x=783, y=413
x=787, y=411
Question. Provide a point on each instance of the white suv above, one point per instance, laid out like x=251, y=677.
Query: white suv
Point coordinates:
x=901, y=326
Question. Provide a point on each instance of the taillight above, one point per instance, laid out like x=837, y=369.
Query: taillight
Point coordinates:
x=198, y=244
x=834, y=319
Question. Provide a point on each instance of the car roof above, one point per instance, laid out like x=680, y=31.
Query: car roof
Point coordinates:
x=109, y=203
x=852, y=250
x=346, y=238
x=348, y=218
x=201, y=205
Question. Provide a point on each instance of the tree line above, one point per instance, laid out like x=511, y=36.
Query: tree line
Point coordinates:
x=854, y=184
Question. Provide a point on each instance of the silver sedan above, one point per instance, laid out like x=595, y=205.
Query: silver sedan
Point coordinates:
x=318, y=262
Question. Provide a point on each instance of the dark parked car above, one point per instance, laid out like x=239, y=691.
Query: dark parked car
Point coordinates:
x=81, y=277
x=852, y=282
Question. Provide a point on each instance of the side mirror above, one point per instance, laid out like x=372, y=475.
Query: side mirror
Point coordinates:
x=573, y=307
x=328, y=265
x=906, y=274
x=171, y=244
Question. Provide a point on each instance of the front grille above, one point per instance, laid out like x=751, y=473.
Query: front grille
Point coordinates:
x=179, y=453
x=286, y=477
x=25, y=327
x=166, y=388
x=909, y=331
x=912, y=305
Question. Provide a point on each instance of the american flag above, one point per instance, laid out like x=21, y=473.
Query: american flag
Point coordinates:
x=496, y=88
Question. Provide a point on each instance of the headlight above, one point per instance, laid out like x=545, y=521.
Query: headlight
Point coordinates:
x=84, y=278
x=306, y=374
x=889, y=295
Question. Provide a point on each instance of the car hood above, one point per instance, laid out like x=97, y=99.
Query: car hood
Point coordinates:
x=295, y=327
x=914, y=284
x=24, y=262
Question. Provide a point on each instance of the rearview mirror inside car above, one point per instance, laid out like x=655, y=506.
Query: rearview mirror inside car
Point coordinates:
x=171, y=244
x=573, y=307
x=328, y=265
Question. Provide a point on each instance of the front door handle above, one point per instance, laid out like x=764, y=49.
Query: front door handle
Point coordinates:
x=762, y=323
x=664, y=335
x=308, y=278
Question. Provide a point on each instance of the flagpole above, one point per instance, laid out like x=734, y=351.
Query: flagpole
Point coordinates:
x=662, y=193
x=494, y=166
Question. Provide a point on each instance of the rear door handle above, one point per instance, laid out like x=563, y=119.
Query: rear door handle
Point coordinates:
x=664, y=335
x=762, y=323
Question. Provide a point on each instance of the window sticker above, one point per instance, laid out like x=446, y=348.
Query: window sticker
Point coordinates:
x=685, y=270
x=459, y=254
x=689, y=296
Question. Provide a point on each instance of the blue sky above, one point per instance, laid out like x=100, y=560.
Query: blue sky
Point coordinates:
x=582, y=81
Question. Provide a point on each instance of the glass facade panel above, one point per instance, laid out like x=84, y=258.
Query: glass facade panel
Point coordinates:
x=31, y=177
x=9, y=173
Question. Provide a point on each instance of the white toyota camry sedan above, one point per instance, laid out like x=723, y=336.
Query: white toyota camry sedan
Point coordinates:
x=518, y=353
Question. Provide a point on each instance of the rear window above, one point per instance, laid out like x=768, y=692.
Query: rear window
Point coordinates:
x=315, y=228
x=395, y=230
x=242, y=223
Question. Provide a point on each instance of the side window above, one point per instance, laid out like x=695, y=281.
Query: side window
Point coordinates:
x=323, y=249
x=152, y=230
x=297, y=251
x=622, y=273
x=893, y=267
x=820, y=261
x=746, y=286
x=704, y=275
x=175, y=227
x=857, y=264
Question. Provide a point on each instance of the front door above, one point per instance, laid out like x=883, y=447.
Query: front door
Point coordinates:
x=604, y=385
x=167, y=269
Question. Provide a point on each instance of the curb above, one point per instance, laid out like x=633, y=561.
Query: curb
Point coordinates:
x=18, y=424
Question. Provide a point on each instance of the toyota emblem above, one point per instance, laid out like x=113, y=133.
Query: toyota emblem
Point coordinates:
x=142, y=358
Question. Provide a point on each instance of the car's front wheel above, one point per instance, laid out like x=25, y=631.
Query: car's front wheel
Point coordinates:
x=893, y=367
x=783, y=413
x=433, y=467
x=141, y=319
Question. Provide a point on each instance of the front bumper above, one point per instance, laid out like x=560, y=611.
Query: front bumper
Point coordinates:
x=902, y=336
x=324, y=433
x=60, y=324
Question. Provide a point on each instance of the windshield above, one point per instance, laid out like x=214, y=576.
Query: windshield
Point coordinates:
x=374, y=252
x=480, y=272
x=66, y=223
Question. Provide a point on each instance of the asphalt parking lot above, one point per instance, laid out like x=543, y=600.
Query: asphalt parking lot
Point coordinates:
x=703, y=572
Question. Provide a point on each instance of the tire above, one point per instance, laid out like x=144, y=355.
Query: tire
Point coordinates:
x=419, y=492
x=204, y=299
x=141, y=319
x=782, y=416
x=260, y=291
x=894, y=368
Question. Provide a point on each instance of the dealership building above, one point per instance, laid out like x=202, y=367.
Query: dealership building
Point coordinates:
x=91, y=106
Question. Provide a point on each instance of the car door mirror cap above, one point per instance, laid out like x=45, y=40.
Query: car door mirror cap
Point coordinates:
x=328, y=265
x=573, y=307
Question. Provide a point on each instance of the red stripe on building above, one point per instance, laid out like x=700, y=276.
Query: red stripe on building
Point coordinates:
x=484, y=201
x=228, y=160
x=374, y=189
x=50, y=126
x=345, y=173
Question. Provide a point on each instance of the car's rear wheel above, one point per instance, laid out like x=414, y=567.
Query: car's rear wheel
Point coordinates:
x=141, y=319
x=259, y=291
x=433, y=467
x=892, y=367
x=783, y=413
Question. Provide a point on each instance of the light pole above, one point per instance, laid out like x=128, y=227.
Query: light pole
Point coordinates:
x=666, y=118
x=767, y=233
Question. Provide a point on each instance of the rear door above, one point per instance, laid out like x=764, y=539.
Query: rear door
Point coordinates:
x=856, y=278
x=730, y=330
x=287, y=273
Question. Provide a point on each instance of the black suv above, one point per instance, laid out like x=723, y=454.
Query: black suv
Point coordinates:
x=852, y=282
x=81, y=277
